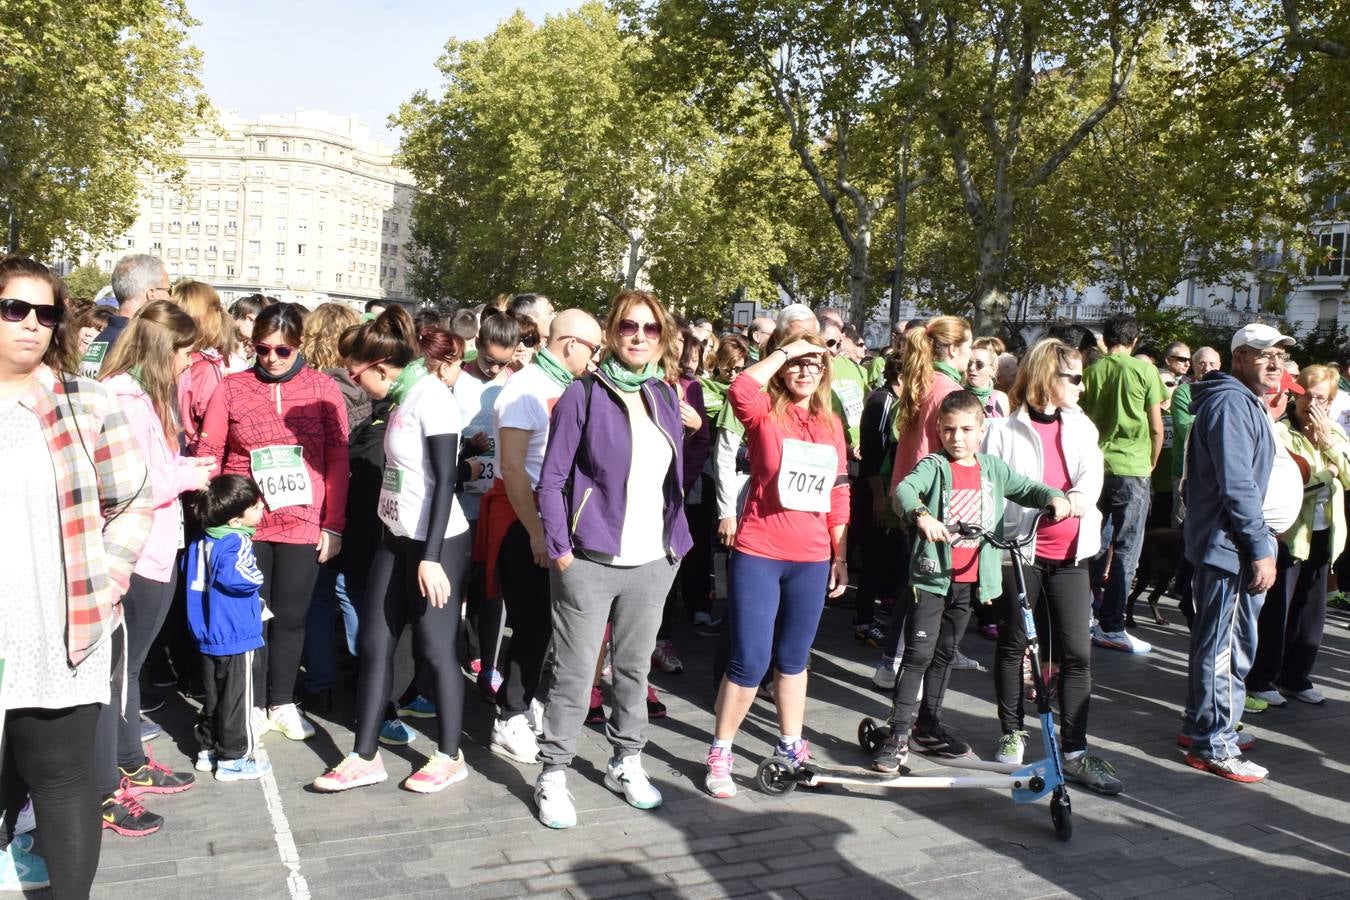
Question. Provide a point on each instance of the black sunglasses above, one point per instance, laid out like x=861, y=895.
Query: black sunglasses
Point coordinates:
x=281, y=350
x=1073, y=377
x=530, y=340
x=628, y=328
x=48, y=316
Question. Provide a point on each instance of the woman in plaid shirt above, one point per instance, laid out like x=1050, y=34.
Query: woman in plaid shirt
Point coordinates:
x=77, y=518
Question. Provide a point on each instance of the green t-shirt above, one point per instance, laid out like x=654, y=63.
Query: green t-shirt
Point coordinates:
x=1181, y=426
x=875, y=371
x=849, y=383
x=1118, y=392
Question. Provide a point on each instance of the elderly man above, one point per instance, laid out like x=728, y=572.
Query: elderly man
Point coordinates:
x=793, y=319
x=758, y=333
x=1177, y=360
x=1240, y=492
x=136, y=280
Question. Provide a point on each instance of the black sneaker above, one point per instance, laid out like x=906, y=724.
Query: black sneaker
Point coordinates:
x=871, y=634
x=123, y=813
x=150, y=702
x=938, y=742
x=891, y=756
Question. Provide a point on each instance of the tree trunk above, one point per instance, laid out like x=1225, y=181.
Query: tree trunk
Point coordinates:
x=635, y=261
x=901, y=223
x=860, y=273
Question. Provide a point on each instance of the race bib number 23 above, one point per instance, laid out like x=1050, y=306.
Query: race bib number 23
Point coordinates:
x=807, y=475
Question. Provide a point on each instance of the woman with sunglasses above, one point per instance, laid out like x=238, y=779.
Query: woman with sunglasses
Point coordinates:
x=612, y=504
x=284, y=425
x=980, y=371
x=77, y=514
x=791, y=547
x=143, y=369
x=421, y=564
x=1049, y=438
x=527, y=344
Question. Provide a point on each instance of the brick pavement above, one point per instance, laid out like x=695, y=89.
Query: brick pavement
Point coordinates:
x=1174, y=830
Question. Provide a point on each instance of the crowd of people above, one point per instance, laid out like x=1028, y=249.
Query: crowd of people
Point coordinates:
x=216, y=502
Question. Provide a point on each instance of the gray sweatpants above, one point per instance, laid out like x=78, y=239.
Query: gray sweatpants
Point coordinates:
x=585, y=597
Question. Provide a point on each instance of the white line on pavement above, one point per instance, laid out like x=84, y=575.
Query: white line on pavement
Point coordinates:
x=281, y=830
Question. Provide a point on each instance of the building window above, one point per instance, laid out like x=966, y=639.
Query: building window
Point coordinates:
x=254, y=222
x=211, y=270
x=337, y=278
x=262, y=146
x=252, y=273
x=283, y=173
x=280, y=275
x=254, y=247
x=229, y=271
x=299, y=249
x=285, y=147
x=281, y=248
x=107, y=267
x=281, y=223
x=259, y=170
x=1334, y=242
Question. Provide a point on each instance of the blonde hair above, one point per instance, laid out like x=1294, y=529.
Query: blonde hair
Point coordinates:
x=994, y=345
x=921, y=348
x=1311, y=375
x=665, y=354
x=200, y=301
x=820, y=405
x=146, y=349
x=1036, y=377
x=323, y=328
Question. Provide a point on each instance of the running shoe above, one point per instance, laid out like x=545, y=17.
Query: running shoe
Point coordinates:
x=396, y=734
x=1310, y=695
x=149, y=731
x=206, y=761
x=655, y=708
x=124, y=814
x=553, y=800
x=27, y=821
x=963, y=663
x=1234, y=768
x=891, y=756
x=1011, y=748
x=287, y=719
x=1272, y=698
x=1245, y=741
x=626, y=776
x=155, y=778
x=1338, y=600
x=718, y=780
x=419, y=708
x=1120, y=640
x=797, y=753
x=596, y=714
x=513, y=738
x=883, y=677
x=665, y=658
x=352, y=772
x=151, y=702
x=243, y=769
x=706, y=626
x=1093, y=772
x=938, y=742
x=21, y=869
x=1254, y=704
x=437, y=774
x=870, y=633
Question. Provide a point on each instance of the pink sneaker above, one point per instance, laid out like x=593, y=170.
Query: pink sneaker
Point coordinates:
x=718, y=780
x=352, y=772
x=437, y=774
x=666, y=659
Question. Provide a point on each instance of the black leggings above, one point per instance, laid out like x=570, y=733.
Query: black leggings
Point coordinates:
x=146, y=603
x=1068, y=594
x=525, y=587
x=49, y=753
x=935, y=626
x=289, y=572
x=392, y=601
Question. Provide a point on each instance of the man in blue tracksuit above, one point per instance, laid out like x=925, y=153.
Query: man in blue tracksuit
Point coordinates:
x=1237, y=496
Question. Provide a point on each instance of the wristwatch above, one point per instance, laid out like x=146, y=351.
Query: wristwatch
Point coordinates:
x=782, y=350
x=919, y=512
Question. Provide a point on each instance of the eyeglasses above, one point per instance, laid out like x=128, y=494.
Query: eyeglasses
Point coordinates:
x=355, y=374
x=281, y=350
x=48, y=316
x=1072, y=377
x=809, y=366
x=594, y=348
x=1268, y=356
x=531, y=341
x=651, y=330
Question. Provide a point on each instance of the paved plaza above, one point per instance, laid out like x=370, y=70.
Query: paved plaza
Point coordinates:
x=1174, y=832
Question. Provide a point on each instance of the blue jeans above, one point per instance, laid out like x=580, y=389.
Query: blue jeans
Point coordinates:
x=331, y=587
x=772, y=615
x=1124, y=505
x=1223, y=644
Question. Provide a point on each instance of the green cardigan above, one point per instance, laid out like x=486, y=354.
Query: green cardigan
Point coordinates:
x=929, y=485
x=1299, y=536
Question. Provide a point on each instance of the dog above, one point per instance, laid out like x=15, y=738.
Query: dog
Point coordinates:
x=1158, y=564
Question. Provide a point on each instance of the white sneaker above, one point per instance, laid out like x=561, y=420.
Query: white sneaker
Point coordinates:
x=1274, y=698
x=1011, y=748
x=666, y=659
x=625, y=776
x=1311, y=695
x=513, y=739
x=556, y=809
x=26, y=821
x=1120, y=640
x=534, y=717
x=261, y=725
x=206, y=761
x=286, y=718
x=886, y=672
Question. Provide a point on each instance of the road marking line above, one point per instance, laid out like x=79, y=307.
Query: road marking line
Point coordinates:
x=281, y=829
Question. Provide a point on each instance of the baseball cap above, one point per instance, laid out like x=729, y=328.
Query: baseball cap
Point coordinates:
x=1260, y=337
x=1290, y=383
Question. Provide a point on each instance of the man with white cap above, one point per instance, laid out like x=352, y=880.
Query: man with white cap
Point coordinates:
x=1237, y=500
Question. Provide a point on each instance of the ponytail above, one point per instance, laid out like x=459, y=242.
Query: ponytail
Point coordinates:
x=390, y=337
x=916, y=368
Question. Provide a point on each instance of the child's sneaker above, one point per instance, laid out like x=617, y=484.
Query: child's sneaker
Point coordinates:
x=154, y=778
x=891, y=756
x=1011, y=748
x=938, y=742
x=396, y=734
x=243, y=769
x=514, y=739
x=596, y=714
x=718, y=780
x=797, y=753
x=963, y=663
x=27, y=821
x=706, y=626
x=352, y=772
x=625, y=776
x=1254, y=704
x=1093, y=773
x=124, y=814
x=489, y=683
x=870, y=633
x=655, y=708
x=419, y=708
x=22, y=870
x=665, y=658
x=883, y=677
x=437, y=774
x=286, y=718
x=554, y=801
x=206, y=761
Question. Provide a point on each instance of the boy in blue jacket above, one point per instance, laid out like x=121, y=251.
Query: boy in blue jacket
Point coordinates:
x=225, y=615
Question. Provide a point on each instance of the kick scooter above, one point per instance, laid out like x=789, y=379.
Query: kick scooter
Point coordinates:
x=1028, y=783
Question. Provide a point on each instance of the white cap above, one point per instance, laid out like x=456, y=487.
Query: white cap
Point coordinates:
x=1260, y=337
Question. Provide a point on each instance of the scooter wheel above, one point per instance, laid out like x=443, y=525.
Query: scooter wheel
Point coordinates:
x=869, y=736
x=1061, y=814
x=776, y=776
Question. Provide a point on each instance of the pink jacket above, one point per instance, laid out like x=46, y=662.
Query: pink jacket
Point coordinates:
x=195, y=389
x=168, y=475
x=920, y=437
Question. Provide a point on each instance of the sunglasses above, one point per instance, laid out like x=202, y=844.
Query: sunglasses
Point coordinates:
x=978, y=365
x=1072, y=377
x=594, y=348
x=1184, y=359
x=832, y=343
x=1170, y=384
x=651, y=330
x=531, y=341
x=280, y=350
x=488, y=363
x=355, y=374
x=48, y=316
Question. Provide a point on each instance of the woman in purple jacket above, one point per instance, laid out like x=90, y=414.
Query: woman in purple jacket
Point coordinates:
x=611, y=500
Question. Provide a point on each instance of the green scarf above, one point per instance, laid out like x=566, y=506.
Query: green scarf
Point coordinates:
x=714, y=395
x=552, y=367
x=219, y=531
x=1343, y=385
x=983, y=393
x=947, y=369
x=624, y=378
x=412, y=373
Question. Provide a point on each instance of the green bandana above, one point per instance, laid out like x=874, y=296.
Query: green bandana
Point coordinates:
x=714, y=396
x=947, y=369
x=624, y=378
x=983, y=393
x=412, y=373
x=552, y=367
x=219, y=531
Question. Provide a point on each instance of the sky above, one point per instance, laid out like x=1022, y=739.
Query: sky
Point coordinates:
x=340, y=56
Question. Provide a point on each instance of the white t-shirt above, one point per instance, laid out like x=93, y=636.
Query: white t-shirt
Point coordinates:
x=1284, y=493
x=475, y=399
x=526, y=402
x=405, y=493
x=644, y=525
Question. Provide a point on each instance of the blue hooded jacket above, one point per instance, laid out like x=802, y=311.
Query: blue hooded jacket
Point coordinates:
x=1229, y=455
x=223, y=608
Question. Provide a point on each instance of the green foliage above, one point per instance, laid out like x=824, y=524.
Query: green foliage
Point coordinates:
x=93, y=93
x=86, y=281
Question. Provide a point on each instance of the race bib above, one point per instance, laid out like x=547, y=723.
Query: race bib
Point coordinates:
x=850, y=395
x=483, y=483
x=391, y=498
x=281, y=476
x=807, y=475
x=92, y=363
x=1167, y=431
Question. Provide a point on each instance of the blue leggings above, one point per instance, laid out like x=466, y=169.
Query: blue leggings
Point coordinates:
x=773, y=612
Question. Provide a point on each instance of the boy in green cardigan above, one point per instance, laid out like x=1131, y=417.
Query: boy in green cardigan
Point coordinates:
x=949, y=573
